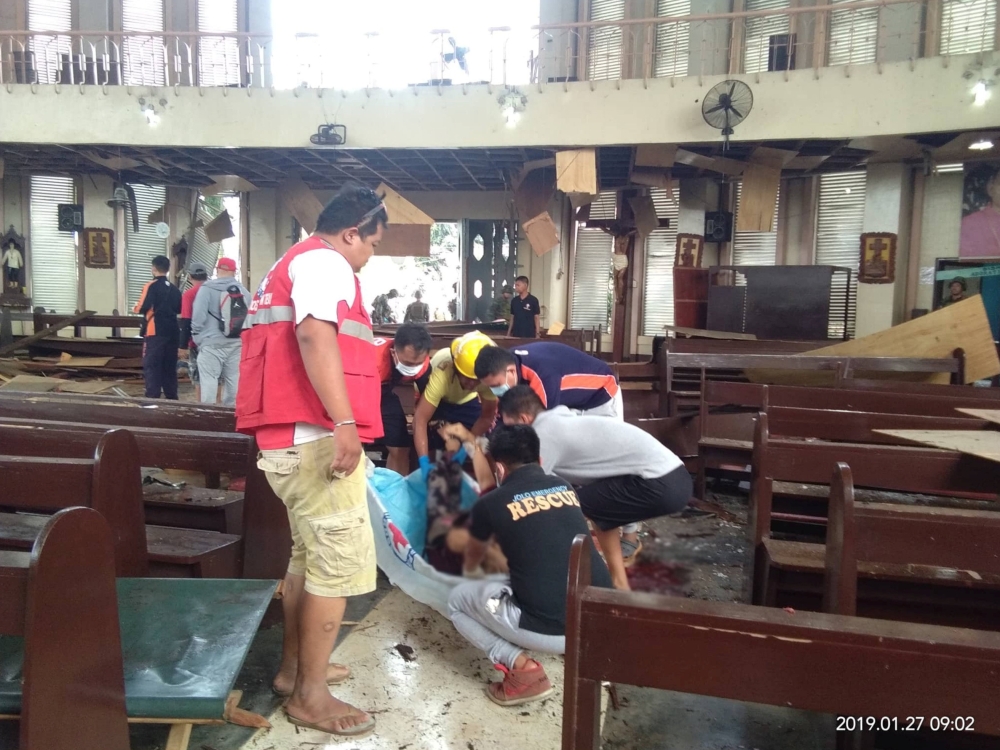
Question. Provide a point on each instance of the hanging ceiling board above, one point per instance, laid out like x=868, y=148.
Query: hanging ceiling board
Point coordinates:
x=220, y=228
x=656, y=155
x=657, y=178
x=962, y=325
x=712, y=163
x=301, y=202
x=542, y=233
x=228, y=183
x=400, y=210
x=990, y=415
x=644, y=211
x=532, y=196
x=404, y=240
x=576, y=171
x=761, y=180
x=981, y=443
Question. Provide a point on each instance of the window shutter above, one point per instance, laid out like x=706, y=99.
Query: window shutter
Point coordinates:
x=55, y=280
x=142, y=246
x=604, y=44
x=755, y=248
x=658, y=294
x=967, y=26
x=144, y=55
x=592, y=279
x=839, y=224
x=672, y=40
x=219, y=55
x=759, y=31
x=853, y=36
x=49, y=15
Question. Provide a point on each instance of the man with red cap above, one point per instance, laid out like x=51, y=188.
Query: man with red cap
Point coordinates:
x=220, y=308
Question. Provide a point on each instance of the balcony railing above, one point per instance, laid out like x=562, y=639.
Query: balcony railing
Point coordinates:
x=836, y=34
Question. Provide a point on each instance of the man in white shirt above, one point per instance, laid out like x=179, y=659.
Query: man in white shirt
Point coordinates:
x=624, y=475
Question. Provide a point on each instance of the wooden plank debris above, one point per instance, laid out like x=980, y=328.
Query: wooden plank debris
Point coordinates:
x=400, y=210
x=981, y=443
x=990, y=415
x=963, y=325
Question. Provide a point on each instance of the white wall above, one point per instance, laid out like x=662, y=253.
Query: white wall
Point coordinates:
x=588, y=113
x=708, y=50
x=940, y=226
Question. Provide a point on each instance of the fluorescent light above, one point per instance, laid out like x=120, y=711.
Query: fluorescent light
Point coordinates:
x=981, y=145
x=981, y=93
x=949, y=168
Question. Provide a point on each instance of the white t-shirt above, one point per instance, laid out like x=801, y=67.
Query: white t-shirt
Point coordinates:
x=321, y=280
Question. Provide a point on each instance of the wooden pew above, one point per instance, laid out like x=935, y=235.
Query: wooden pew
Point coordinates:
x=123, y=412
x=115, y=660
x=896, y=468
x=848, y=666
x=727, y=411
x=210, y=453
x=110, y=483
x=888, y=562
x=699, y=369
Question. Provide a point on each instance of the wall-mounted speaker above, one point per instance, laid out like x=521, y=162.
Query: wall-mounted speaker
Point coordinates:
x=70, y=217
x=718, y=226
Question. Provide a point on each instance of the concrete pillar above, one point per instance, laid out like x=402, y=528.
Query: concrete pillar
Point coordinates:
x=697, y=197
x=708, y=46
x=887, y=209
x=100, y=285
x=266, y=244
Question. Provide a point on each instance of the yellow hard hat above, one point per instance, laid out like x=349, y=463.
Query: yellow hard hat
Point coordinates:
x=465, y=349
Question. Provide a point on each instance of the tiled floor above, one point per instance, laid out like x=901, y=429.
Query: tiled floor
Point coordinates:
x=434, y=702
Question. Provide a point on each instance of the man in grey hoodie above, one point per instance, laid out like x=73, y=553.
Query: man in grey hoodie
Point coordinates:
x=218, y=355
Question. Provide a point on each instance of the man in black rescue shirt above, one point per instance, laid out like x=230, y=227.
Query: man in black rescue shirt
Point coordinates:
x=534, y=517
x=160, y=304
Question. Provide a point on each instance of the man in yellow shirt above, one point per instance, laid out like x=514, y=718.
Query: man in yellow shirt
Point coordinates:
x=454, y=394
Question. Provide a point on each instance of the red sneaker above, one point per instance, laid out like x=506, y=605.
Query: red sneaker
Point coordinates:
x=520, y=685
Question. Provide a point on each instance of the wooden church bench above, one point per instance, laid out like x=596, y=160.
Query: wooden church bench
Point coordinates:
x=115, y=410
x=847, y=666
x=888, y=467
x=210, y=453
x=917, y=564
x=110, y=483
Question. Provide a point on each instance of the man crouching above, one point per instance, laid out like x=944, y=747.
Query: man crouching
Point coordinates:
x=534, y=517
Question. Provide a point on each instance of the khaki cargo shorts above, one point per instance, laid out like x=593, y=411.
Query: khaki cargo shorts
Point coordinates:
x=332, y=541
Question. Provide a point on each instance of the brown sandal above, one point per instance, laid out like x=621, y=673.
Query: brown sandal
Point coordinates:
x=355, y=731
x=330, y=680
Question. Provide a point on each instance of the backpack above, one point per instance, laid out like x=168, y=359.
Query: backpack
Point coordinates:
x=232, y=312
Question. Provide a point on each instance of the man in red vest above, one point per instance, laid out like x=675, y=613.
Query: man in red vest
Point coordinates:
x=309, y=392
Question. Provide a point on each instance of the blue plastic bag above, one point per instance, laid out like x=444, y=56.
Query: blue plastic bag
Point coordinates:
x=405, y=499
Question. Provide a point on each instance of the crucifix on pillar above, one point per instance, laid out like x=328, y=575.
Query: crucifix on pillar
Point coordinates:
x=625, y=233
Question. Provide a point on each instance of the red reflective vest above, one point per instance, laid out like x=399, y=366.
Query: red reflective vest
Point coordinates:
x=274, y=387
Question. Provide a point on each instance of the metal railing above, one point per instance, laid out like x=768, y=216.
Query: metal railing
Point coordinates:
x=845, y=34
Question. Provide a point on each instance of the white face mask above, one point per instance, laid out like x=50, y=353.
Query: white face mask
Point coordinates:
x=409, y=371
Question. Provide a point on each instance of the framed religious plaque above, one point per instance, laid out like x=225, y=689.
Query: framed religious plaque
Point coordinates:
x=98, y=248
x=878, y=258
x=689, y=247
